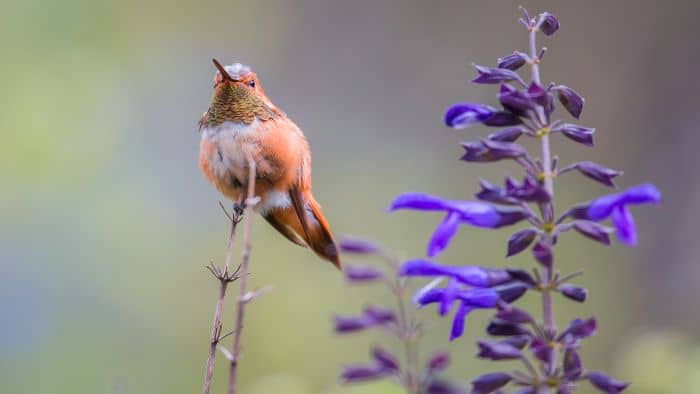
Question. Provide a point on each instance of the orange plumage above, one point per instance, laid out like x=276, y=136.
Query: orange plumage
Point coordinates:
x=242, y=124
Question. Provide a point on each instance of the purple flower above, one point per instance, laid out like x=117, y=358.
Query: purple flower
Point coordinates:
x=593, y=230
x=615, y=205
x=458, y=321
x=463, y=115
x=500, y=328
x=512, y=314
x=578, y=329
x=474, y=213
x=572, y=101
x=543, y=254
x=469, y=275
x=488, y=75
x=512, y=62
x=572, y=364
x=521, y=275
x=572, y=292
x=358, y=245
x=548, y=24
x=443, y=387
x=490, y=382
x=371, y=317
x=361, y=273
x=489, y=151
x=518, y=341
x=438, y=362
x=495, y=194
x=580, y=134
x=541, y=350
x=528, y=191
x=594, y=171
x=605, y=383
x=520, y=240
x=497, y=351
x=507, y=135
x=362, y=373
x=385, y=360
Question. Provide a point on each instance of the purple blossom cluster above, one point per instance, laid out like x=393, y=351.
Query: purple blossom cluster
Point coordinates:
x=549, y=355
x=399, y=323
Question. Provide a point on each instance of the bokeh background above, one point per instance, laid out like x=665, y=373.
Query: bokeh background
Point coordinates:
x=106, y=223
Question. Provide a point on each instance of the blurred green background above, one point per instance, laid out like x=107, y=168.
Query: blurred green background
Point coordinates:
x=106, y=223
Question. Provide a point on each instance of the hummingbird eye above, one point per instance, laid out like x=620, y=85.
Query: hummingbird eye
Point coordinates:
x=251, y=83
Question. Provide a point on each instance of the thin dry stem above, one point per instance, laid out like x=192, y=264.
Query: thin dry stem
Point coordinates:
x=224, y=277
x=245, y=260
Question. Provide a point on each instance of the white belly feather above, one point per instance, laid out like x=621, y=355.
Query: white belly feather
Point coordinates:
x=232, y=153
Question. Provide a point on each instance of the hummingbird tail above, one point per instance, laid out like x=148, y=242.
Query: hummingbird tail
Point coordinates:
x=303, y=223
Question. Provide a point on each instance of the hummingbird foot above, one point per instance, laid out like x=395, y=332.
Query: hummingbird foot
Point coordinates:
x=238, y=210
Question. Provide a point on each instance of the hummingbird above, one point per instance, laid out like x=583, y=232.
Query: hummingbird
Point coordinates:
x=242, y=125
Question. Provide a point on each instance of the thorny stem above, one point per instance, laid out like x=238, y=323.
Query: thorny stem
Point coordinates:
x=224, y=278
x=242, y=295
x=547, y=212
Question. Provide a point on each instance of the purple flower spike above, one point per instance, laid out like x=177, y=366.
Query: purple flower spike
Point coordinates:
x=572, y=101
x=615, y=207
x=593, y=230
x=489, y=151
x=594, y=171
x=361, y=373
x=463, y=115
x=605, y=383
x=580, y=134
x=361, y=273
x=438, y=362
x=497, y=351
x=488, y=75
x=520, y=240
x=512, y=62
x=358, y=246
x=548, y=23
x=507, y=135
x=490, y=382
x=543, y=254
x=572, y=292
x=469, y=275
x=572, y=365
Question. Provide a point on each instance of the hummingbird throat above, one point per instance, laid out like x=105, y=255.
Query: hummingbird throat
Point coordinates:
x=236, y=103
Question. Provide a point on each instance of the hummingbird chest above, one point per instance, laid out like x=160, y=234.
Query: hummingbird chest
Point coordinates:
x=224, y=153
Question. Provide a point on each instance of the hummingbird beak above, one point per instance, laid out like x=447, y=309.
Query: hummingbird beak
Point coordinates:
x=222, y=70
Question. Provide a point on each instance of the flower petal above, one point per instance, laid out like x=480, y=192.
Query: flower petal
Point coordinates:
x=520, y=240
x=443, y=233
x=570, y=99
x=463, y=115
x=458, y=321
x=625, y=229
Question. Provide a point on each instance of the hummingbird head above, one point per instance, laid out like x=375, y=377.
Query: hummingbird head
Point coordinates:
x=238, y=96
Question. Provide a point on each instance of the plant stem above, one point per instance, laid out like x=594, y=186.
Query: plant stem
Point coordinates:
x=224, y=278
x=547, y=212
x=405, y=328
x=243, y=292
